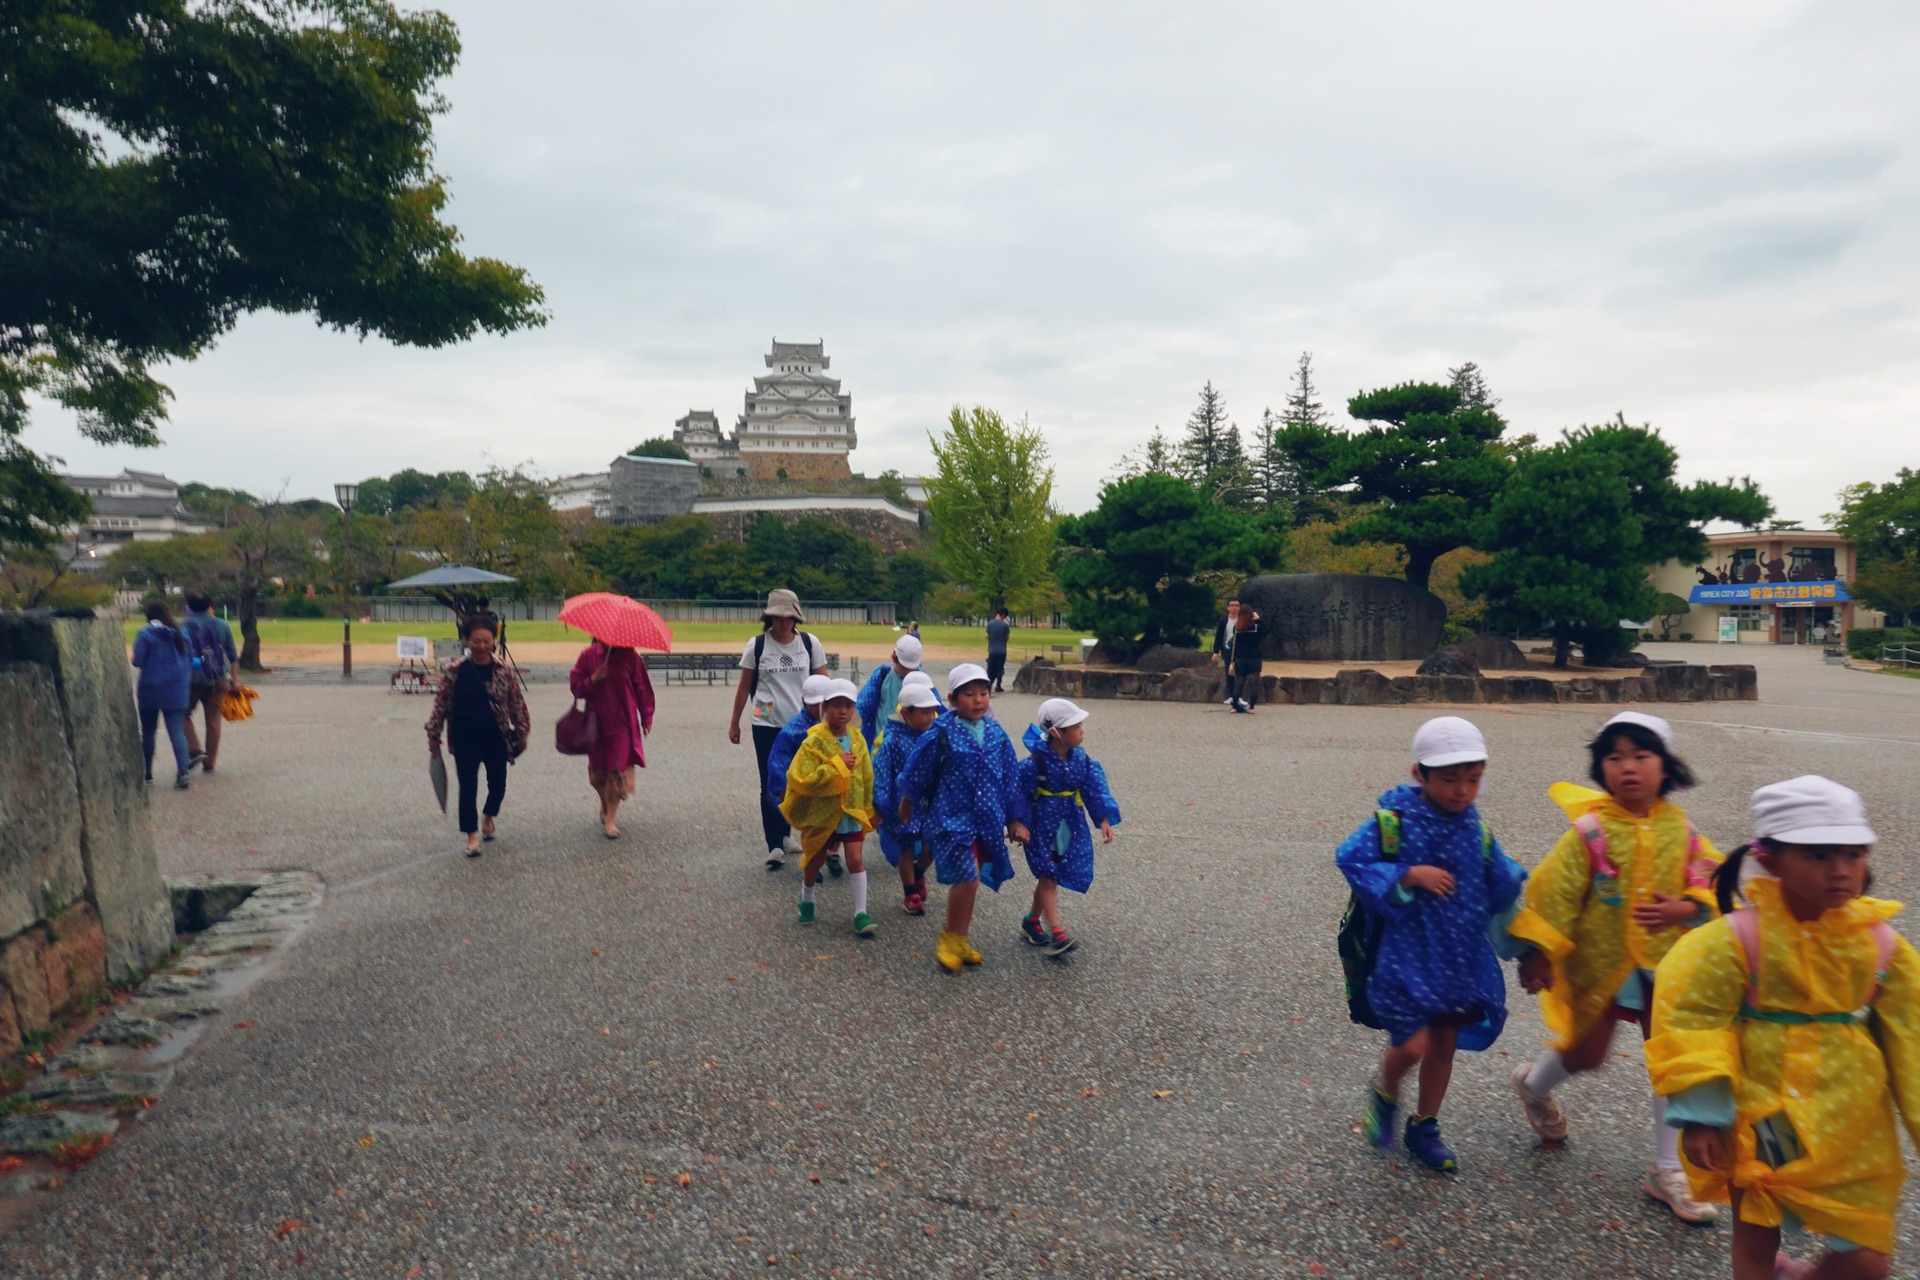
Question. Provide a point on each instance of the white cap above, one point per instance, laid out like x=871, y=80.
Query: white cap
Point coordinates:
x=1810, y=810
x=840, y=689
x=1058, y=713
x=964, y=673
x=916, y=677
x=906, y=651
x=917, y=695
x=1446, y=740
x=1653, y=724
x=813, y=690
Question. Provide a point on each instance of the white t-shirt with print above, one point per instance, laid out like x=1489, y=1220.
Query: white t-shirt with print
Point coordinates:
x=783, y=669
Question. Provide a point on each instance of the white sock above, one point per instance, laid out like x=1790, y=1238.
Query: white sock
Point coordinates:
x=1666, y=1139
x=859, y=882
x=1548, y=1074
x=806, y=893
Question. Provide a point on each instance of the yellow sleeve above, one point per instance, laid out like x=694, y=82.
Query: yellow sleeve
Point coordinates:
x=1710, y=853
x=1556, y=891
x=817, y=769
x=1896, y=1013
x=1697, y=992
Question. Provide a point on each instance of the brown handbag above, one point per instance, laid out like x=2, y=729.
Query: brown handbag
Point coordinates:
x=578, y=731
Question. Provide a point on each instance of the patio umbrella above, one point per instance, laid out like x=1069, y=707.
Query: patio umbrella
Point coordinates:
x=451, y=575
x=618, y=621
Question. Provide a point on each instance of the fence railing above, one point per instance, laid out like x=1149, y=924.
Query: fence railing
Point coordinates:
x=424, y=609
x=1904, y=656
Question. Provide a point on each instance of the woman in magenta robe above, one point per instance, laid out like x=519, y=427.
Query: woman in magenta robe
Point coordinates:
x=615, y=684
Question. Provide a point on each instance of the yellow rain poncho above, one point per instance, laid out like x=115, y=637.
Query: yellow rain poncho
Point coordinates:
x=1837, y=1080
x=821, y=789
x=1595, y=944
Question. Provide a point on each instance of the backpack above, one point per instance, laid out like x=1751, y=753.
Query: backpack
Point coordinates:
x=209, y=656
x=1606, y=877
x=1745, y=924
x=760, y=646
x=1360, y=929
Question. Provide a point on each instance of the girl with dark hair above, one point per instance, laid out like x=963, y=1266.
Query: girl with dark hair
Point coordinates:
x=1786, y=1034
x=1246, y=660
x=1604, y=907
x=166, y=677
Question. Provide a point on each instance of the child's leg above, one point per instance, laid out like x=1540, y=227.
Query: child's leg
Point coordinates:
x=1436, y=1068
x=910, y=871
x=1854, y=1264
x=1046, y=902
x=1590, y=1054
x=960, y=906
x=1754, y=1247
x=810, y=876
x=1400, y=1059
x=856, y=874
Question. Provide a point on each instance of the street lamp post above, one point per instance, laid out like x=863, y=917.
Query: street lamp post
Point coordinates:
x=345, y=495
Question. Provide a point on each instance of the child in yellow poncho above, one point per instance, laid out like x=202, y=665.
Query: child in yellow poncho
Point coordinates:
x=830, y=800
x=1785, y=1034
x=1602, y=910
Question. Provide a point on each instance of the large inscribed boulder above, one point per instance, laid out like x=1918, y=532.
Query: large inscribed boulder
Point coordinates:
x=1338, y=617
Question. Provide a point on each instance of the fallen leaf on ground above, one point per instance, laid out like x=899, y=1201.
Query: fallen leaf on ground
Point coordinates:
x=367, y=1141
x=813, y=1177
x=414, y=1271
x=685, y=1179
x=606, y=1031
x=1163, y=1093
x=288, y=1227
x=596, y=951
x=1088, y=1093
x=243, y=1024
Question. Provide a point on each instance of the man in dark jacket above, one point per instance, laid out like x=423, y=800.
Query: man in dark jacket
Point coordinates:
x=210, y=640
x=999, y=627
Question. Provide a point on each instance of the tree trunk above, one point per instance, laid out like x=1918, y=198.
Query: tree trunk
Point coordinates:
x=1562, y=650
x=250, y=631
x=1420, y=565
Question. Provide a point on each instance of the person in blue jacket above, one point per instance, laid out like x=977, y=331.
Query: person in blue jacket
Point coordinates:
x=1067, y=789
x=901, y=841
x=964, y=780
x=880, y=695
x=813, y=691
x=1427, y=867
x=166, y=678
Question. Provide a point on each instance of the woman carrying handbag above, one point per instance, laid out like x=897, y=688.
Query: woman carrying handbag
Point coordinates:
x=484, y=714
x=613, y=682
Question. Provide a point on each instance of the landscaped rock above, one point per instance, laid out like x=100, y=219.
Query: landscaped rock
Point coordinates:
x=1489, y=653
x=1166, y=657
x=76, y=955
x=44, y=1135
x=1446, y=662
x=98, y=1086
x=87, y=1057
x=121, y=1027
x=23, y=972
x=1339, y=617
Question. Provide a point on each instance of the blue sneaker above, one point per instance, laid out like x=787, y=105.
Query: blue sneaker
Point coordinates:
x=1423, y=1139
x=1377, y=1122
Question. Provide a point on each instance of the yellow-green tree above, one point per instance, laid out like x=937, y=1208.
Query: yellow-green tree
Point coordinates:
x=989, y=506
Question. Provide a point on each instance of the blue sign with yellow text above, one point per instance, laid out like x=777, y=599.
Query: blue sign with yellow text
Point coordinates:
x=1770, y=593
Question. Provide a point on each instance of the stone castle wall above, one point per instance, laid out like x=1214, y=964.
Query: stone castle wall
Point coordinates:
x=798, y=466
x=81, y=899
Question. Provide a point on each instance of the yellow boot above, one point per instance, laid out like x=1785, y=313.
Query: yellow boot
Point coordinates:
x=967, y=953
x=949, y=951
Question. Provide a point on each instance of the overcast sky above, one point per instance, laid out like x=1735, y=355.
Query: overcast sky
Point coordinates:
x=1701, y=215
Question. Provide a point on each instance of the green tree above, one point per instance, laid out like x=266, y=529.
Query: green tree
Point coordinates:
x=1131, y=568
x=1471, y=382
x=1577, y=527
x=190, y=560
x=1891, y=586
x=505, y=526
x=834, y=564
x=892, y=486
x=171, y=165
x=636, y=559
x=1428, y=460
x=988, y=506
x=1212, y=455
x=659, y=447
x=33, y=577
x=1668, y=609
x=911, y=578
x=1883, y=522
x=36, y=506
x=1157, y=457
x=771, y=550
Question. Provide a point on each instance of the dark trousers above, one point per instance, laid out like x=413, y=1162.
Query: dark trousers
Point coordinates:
x=475, y=743
x=150, y=724
x=1246, y=686
x=772, y=822
x=996, y=667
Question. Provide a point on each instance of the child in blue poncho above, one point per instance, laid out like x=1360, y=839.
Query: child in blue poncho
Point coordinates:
x=1067, y=789
x=1429, y=871
x=964, y=781
x=881, y=694
x=902, y=841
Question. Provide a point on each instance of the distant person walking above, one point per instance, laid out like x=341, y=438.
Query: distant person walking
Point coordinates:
x=166, y=677
x=480, y=706
x=210, y=645
x=776, y=663
x=999, y=627
x=1223, y=633
x=619, y=692
x=1246, y=659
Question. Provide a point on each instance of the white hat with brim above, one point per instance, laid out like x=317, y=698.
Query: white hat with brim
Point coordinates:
x=1058, y=713
x=1448, y=740
x=964, y=673
x=782, y=603
x=1811, y=810
x=916, y=677
x=917, y=695
x=841, y=689
x=1652, y=724
x=813, y=690
x=906, y=651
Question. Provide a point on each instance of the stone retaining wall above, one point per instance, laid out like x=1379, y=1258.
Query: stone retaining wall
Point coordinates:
x=81, y=899
x=1365, y=687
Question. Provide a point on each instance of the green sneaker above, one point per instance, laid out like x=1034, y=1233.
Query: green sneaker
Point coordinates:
x=806, y=912
x=863, y=924
x=1376, y=1122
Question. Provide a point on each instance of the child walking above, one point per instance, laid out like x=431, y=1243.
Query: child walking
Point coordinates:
x=1066, y=789
x=830, y=800
x=902, y=841
x=963, y=779
x=1619, y=889
x=780, y=756
x=880, y=696
x=1785, y=1034
x=1426, y=868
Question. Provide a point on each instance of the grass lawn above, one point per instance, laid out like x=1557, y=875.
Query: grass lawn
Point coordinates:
x=688, y=637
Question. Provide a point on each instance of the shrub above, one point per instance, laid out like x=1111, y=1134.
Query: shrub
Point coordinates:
x=304, y=607
x=1865, y=642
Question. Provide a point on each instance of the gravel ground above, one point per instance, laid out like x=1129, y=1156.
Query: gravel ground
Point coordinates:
x=581, y=1058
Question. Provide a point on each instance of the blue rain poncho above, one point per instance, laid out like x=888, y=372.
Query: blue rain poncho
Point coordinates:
x=966, y=790
x=1436, y=957
x=878, y=699
x=889, y=763
x=1062, y=846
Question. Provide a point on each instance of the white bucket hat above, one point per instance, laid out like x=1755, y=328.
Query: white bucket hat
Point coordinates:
x=917, y=695
x=1058, y=713
x=906, y=651
x=1811, y=810
x=963, y=674
x=813, y=690
x=1446, y=740
x=1653, y=724
x=840, y=689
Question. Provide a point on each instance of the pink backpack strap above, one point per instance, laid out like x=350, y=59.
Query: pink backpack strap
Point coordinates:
x=1745, y=924
x=1699, y=869
x=1884, y=941
x=1594, y=835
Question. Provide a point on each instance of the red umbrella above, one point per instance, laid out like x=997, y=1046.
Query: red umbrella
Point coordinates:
x=618, y=620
